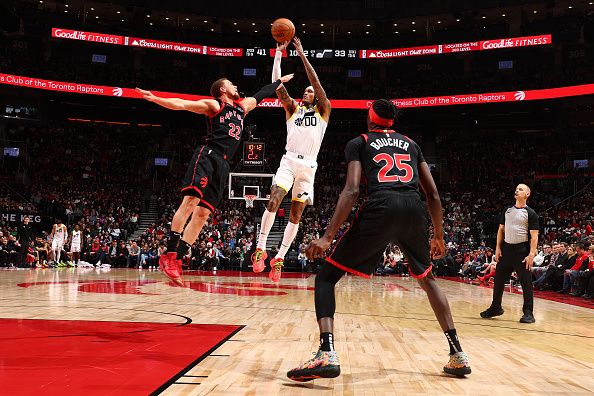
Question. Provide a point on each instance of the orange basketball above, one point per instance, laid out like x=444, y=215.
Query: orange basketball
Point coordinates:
x=282, y=30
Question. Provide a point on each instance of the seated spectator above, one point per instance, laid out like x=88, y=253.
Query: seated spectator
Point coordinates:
x=581, y=264
x=583, y=276
x=133, y=258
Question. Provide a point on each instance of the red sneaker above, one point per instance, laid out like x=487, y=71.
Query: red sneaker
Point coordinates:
x=258, y=258
x=171, y=267
x=276, y=268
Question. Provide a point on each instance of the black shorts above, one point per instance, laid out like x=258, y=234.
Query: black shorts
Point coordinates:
x=385, y=217
x=206, y=177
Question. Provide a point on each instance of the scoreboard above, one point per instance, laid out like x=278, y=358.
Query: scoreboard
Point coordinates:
x=253, y=153
x=312, y=53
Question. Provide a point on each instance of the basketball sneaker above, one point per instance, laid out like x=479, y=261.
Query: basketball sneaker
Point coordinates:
x=258, y=258
x=527, y=318
x=492, y=312
x=458, y=365
x=323, y=365
x=276, y=269
x=171, y=267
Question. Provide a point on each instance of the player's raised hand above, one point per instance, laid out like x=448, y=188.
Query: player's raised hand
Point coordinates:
x=297, y=45
x=282, y=46
x=316, y=248
x=437, y=248
x=148, y=95
x=286, y=78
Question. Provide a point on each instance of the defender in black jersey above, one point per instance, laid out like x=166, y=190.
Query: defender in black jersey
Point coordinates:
x=208, y=170
x=393, y=212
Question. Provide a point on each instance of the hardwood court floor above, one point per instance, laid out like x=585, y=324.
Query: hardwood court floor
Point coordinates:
x=386, y=335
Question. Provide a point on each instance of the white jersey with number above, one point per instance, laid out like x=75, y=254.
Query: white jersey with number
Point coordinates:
x=76, y=237
x=60, y=234
x=305, y=132
x=75, y=242
x=297, y=170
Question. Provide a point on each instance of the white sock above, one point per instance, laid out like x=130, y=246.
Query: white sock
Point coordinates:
x=288, y=237
x=265, y=227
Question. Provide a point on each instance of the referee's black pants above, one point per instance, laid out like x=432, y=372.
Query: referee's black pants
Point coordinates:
x=512, y=259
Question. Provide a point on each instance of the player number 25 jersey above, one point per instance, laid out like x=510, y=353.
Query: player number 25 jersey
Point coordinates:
x=389, y=159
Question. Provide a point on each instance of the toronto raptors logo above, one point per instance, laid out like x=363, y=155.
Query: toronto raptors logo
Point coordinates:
x=111, y=286
x=203, y=181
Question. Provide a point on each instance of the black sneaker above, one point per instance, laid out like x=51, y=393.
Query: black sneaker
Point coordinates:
x=492, y=312
x=527, y=318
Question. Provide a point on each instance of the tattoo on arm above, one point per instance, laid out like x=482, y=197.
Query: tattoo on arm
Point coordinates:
x=286, y=100
x=323, y=102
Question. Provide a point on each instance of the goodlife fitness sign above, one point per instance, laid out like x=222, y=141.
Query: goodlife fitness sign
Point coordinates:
x=144, y=43
x=88, y=36
x=430, y=101
x=458, y=47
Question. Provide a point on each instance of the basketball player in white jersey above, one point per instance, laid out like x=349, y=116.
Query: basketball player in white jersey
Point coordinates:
x=75, y=244
x=58, y=237
x=306, y=125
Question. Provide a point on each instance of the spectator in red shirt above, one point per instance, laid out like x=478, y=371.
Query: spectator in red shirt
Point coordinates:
x=581, y=264
x=584, y=278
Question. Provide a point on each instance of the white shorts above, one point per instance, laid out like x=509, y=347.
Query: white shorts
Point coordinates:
x=75, y=248
x=57, y=245
x=298, y=174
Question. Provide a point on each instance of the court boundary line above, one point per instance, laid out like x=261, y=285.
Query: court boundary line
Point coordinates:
x=180, y=374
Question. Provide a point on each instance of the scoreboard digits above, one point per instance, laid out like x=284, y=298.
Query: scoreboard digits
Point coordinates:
x=253, y=153
x=310, y=53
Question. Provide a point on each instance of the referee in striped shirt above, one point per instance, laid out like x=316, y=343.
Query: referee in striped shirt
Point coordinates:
x=517, y=239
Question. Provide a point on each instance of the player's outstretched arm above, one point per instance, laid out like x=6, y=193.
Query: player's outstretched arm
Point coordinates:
x=347, y=199
x=288, y=103
x=278, y=56
x=435, y=210
x=267, y=91
x=202, y=106
x=323, y=105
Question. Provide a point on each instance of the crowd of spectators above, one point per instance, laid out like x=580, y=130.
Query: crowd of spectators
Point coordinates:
x=87, y=175
x=75, y=178
x=224, y=241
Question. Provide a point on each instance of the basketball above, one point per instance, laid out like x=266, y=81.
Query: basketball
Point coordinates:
x=282, y=30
